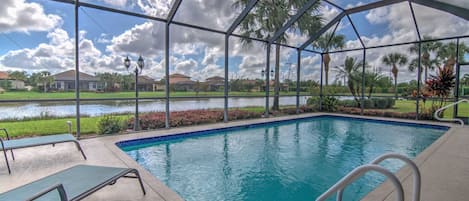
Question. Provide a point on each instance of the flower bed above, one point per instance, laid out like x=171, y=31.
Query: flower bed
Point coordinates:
x=156, y=120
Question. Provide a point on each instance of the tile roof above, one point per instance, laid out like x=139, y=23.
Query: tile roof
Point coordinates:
x=70, y=76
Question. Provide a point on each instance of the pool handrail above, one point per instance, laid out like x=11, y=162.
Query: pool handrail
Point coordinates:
x=437, y=112
x=416, y=172
x=357, y=173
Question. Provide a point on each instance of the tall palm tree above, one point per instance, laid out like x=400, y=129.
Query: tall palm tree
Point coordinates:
x=351, y=71
x=394, y=59
x=447, y=53
x=372, y=79
x=269, y=16
x=428, y=63
x=326, y=42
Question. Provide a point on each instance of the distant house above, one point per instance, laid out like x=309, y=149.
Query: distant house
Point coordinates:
x=180, y=82
x=14, y=84
x=145, y=83
x=215, y=83
x=65, y=81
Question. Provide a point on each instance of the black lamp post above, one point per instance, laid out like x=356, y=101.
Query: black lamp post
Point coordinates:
x=137, y=70
x=271, y=74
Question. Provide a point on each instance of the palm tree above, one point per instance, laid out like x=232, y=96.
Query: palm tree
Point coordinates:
x=447, y=53
x=372, y=79
x=427, y=62
x=269, y=16
x=393, y=59
x=46, y=79
x=326, y=42
x=350, y=71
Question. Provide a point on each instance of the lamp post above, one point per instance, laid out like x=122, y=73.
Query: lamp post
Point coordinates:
x=137, y=70
x=271, y=74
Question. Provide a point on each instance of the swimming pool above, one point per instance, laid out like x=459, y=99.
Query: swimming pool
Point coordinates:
x=288, y=160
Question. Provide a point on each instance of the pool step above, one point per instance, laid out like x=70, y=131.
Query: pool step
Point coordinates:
x=373, y=166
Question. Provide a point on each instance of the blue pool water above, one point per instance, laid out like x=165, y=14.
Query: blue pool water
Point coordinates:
x=292, y=160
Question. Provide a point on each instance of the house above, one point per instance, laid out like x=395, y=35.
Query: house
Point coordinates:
x=65, y=81
x=145, y=83
x=215, y=83
x=13, y=83
x=179, y=82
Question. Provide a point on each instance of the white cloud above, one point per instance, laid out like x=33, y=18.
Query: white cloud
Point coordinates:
x=21, y=16
x=118, y=3
x=185, y=66
x=378, y=15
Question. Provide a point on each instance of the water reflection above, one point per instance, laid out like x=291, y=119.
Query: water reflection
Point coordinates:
x=94, y=108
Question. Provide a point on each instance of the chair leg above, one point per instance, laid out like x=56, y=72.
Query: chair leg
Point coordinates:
x=140, y=181
x=6, y=160
x=12, y=155
x=80, y=149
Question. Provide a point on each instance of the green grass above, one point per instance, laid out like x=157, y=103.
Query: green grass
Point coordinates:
x=409, y=106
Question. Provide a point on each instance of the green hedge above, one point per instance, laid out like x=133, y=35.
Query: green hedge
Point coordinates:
x=374, y=103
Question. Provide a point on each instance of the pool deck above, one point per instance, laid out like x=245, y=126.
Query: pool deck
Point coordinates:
x=444, y=165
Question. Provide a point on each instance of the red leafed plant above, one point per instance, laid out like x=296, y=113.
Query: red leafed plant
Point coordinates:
x=441, y=84
x=156, y=120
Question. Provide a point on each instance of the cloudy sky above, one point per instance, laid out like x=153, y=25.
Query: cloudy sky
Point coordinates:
x=37, y=35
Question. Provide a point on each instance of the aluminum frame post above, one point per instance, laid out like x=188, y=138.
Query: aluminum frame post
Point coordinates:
x=169, y=20
x=77, y=70
x=167, y=110
x=362, y=104
x=267, y=81
x=320, y=84
x=456, y=91
x=225, y=108
x=298, y=66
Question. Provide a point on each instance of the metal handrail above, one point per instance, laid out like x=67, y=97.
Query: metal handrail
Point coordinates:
x=446, y=107
x=415, y=169
x=356, y=173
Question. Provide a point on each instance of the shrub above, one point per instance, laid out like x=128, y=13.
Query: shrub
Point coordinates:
x=348, y=103
x=380, y=103
x=313, y=101
x=368, y=104
x=155, y=120
x=109, y=124
x=330, y=104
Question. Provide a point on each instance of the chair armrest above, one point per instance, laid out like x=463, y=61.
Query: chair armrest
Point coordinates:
x=58, y=187
x=6, y=132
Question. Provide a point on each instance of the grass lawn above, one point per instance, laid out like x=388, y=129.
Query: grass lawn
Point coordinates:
x=409, y=106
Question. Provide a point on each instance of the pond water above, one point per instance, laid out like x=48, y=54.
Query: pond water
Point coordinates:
x=97, y=108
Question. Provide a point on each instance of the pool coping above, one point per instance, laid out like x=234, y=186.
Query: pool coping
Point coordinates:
x=383, y=191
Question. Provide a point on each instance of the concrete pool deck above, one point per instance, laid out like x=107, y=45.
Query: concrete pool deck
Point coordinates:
x=444, y=165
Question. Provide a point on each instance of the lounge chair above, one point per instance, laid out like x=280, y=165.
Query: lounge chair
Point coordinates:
x=35, y=141
x=71, y=184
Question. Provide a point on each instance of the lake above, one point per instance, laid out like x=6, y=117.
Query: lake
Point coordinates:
x=97, y=108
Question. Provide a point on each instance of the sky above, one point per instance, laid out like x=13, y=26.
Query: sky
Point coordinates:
x=37, y=35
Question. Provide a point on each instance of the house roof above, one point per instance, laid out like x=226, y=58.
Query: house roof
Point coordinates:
x=4, y=75
x=178, y=75
x=187, y=82
x=215, y=78
x=145, y=80
x=70, y=76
